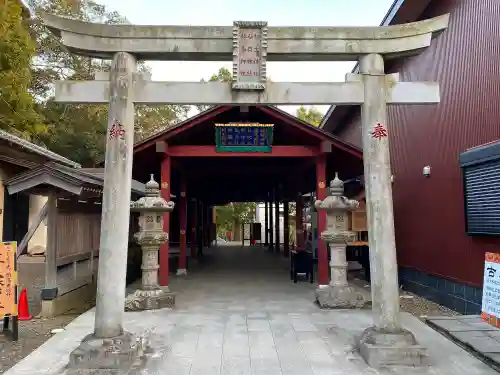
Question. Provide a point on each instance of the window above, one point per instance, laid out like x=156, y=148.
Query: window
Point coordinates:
x=481, y=175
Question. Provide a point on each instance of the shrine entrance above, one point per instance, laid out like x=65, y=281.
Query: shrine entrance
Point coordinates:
x=270, y=157
x=249, y=45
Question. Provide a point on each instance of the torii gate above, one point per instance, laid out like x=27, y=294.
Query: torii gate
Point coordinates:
x=249, y=45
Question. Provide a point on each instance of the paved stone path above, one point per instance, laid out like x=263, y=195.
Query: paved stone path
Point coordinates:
x=239, y=313
x=473, y=333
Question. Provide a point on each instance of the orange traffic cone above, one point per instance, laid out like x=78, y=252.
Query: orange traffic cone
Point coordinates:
x=23, y=311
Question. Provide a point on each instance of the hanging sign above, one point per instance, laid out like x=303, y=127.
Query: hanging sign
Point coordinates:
x=244, y=137
x=249, y=55
x=8, y=287
x=490, y=311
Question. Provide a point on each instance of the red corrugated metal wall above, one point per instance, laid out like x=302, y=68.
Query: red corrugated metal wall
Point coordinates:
x=429, y=212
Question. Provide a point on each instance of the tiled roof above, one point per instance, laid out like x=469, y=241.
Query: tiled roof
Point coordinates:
x=35, y=149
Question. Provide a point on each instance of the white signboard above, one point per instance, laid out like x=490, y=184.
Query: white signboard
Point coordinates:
x=249, y=55
x=490, y=311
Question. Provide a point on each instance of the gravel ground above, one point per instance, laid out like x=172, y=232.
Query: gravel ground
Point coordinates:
x=32, y=334
x=420, y=307
x=35, y=332
x=409, y=302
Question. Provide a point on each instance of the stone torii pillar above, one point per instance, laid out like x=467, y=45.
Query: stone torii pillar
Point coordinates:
x=109, y=346
x=387, y=342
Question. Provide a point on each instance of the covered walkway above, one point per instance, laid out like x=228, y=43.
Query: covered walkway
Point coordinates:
x=235, y=278
x=237, y=312
x=241, y=154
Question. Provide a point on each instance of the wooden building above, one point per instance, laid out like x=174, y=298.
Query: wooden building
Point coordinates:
x=29, y=174
x=16, y=156
x=439, y=257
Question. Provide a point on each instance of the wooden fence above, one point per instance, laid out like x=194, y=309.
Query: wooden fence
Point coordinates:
x=77, y=236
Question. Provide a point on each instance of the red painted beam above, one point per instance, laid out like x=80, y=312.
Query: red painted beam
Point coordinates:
x=210, y=151
x=180, y=127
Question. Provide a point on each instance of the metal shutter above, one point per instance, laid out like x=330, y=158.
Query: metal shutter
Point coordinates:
x=482, y=198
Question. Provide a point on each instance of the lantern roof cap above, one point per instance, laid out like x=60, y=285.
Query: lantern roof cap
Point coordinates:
x=336, y=185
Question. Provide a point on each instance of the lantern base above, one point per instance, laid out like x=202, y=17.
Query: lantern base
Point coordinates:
x=339, y=297
x=141, y=300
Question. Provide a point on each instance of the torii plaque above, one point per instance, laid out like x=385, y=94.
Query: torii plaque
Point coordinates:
x=385, y=343
x=250, y=52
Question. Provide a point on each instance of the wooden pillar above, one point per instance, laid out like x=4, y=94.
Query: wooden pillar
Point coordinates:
x=203, y=226
x=323, y=278
x=266, y=224
x=208, y=225
x=271, y=223
x=207, y=213
x=286, y=228
x=165, y=193
x=277, y=247
x=194, y=220
x=182, y=269
x=199, y=228
x=50, y=290
x=299, y=223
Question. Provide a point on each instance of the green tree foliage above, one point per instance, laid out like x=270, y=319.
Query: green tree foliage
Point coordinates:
x=223, y=75
x=234, y=213
x=78, y=131
x=17, y=108
x=310, y=115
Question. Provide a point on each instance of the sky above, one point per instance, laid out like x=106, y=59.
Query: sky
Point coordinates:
x=275, y=12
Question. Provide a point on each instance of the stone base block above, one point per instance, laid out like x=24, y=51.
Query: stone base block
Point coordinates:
x=181, y=272
x=105, y=356
x=77, y=300
x=150, y=300
x=339, y=297
x=383, y=349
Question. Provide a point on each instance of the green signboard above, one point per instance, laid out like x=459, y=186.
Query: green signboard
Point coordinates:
x=243, y=137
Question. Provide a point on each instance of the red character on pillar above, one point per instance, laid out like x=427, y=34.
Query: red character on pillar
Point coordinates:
x=379, y=131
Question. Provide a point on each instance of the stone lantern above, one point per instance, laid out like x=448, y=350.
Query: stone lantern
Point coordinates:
x=338, y=294
x=150, y=236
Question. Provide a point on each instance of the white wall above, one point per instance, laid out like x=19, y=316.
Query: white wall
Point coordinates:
x=260, y=216
x=38, y=243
